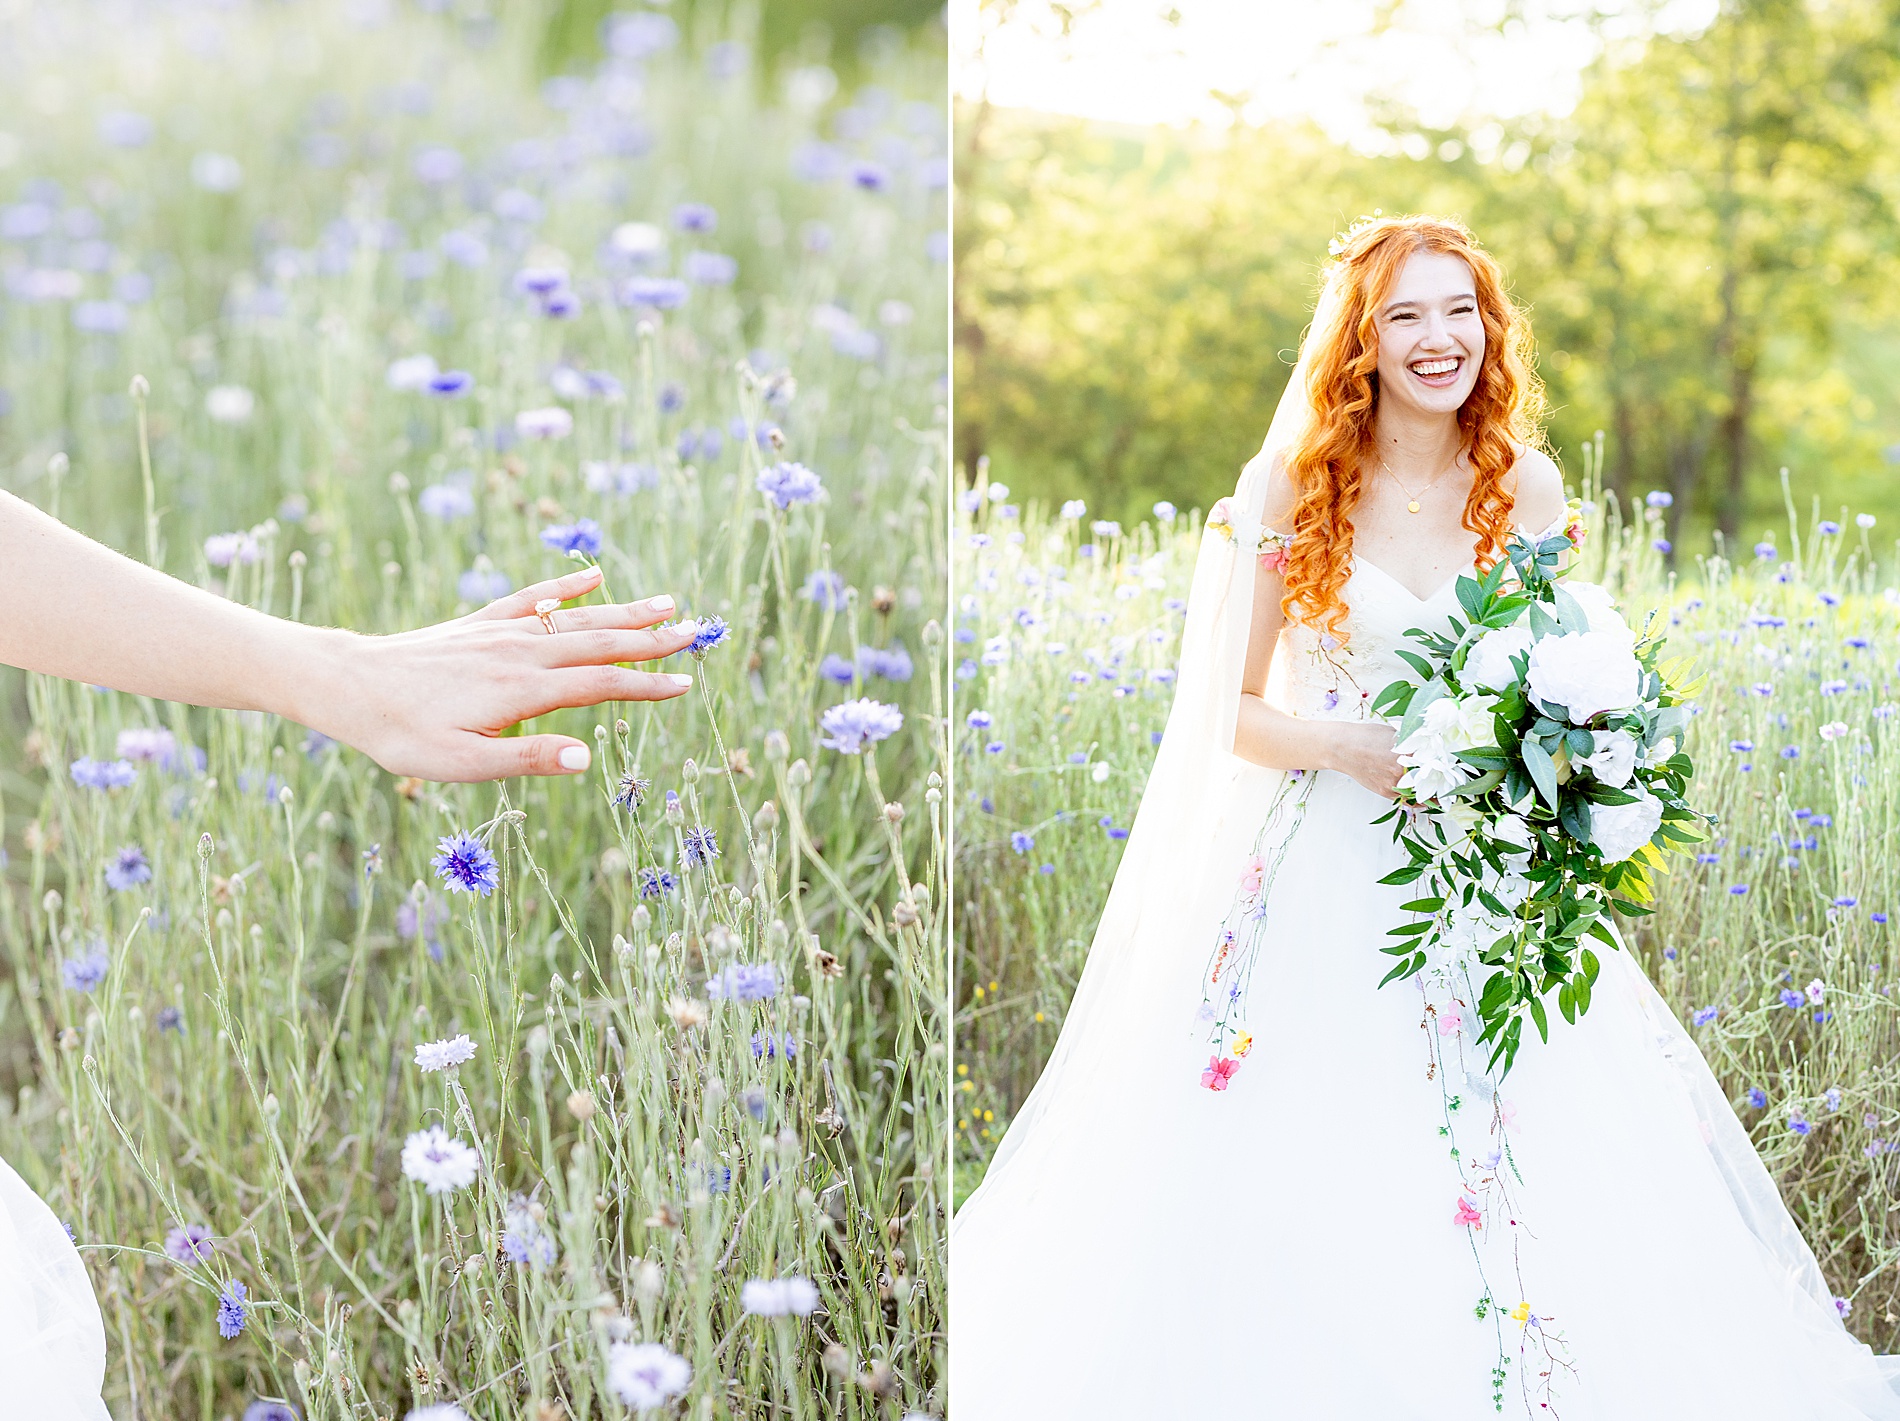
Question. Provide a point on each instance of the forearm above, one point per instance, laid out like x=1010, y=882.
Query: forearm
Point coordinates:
x=74, y=608
x=1266, y=735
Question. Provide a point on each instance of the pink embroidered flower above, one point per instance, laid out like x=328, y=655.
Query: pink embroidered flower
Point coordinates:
x=1450, y=1019
x=1219, y=1072
x=1220, y=518
x=1252, y=875
x=1468, y=1216
x=1507, y=1111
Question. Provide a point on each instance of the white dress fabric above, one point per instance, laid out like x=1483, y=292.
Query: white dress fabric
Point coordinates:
x=52, y=1340
x=1289, y=1246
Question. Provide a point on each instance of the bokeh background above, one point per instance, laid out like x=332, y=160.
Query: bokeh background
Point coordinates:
x=1695, y=200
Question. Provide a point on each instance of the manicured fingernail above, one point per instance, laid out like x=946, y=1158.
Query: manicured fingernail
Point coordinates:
x=576, y=757
x=662, y=603
x=689, y=627
x=679, y=680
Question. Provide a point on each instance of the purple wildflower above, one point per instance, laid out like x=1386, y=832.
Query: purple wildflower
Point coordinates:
x=85, y=973
x=89, y=773
x=853, y=725
x=745, y=982
x=464, y=863
x=231, y=1311
x=712, y=631
x=580, y=537
x=787, y=483
x=699, y=847
x=189, y=1243
x=128, y=869
x=655, y=881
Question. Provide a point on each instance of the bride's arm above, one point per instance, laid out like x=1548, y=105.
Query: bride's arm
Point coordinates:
x=429, y=703
x=1267, y=735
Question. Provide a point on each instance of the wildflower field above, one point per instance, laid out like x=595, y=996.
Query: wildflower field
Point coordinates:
x=1776, y=945
x=365, y=1097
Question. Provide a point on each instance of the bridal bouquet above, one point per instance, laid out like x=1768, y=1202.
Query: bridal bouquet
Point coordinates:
x=1544, y=778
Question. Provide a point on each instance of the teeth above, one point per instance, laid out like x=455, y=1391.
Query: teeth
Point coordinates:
x=1435, y=367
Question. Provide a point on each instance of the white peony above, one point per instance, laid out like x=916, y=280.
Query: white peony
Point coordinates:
x=1434, y=771
x=1660, y=752
x=1586, y=673
x=1619, y=830
x=1488, y=663
x=1614, y=759
x=1600, y=608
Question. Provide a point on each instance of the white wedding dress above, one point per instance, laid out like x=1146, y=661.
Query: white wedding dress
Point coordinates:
x=1290, y=1246
x=52, y=1341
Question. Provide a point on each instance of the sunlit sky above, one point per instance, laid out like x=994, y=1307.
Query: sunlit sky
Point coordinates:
x=1291, y=58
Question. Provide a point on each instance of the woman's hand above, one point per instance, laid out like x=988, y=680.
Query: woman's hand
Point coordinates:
x=1364, y=751
x=433, y=702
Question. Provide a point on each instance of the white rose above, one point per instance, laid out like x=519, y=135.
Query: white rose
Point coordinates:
x=1433, y=773
x=1600, y=608
x=1488, y=663
x=1660, y=751
x=1458, y=723
x=1586, y=673
x=1619, y=830
x=1513, y=829
x=1614, y=759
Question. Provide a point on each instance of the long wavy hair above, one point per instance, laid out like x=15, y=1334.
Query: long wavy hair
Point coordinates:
x=1507, y=403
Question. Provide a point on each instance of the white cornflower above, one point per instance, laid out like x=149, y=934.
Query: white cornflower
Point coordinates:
x=438, y=1161
x=550, y=423
x=441, y=1411
x=779, y=1297
x=443, y=1055
x=645, y=1375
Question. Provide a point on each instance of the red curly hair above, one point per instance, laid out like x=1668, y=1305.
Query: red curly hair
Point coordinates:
x=1505, y=405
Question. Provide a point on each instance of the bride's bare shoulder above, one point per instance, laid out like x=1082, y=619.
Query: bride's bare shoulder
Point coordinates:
x=1536, y=486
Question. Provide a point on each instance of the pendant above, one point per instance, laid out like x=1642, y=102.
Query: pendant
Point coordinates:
x=1412, y=507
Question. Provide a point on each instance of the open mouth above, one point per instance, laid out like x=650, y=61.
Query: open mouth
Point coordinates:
x=1437, y=373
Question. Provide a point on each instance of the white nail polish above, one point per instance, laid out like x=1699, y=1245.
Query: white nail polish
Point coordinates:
x=662, y=603
x=689, y=627
x=682, y=680
x=575, y=757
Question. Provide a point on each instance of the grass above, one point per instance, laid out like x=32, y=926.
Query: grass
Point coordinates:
x=1065, y=637
x=246, y=1064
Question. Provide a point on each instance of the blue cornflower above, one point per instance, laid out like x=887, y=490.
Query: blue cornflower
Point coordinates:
x=1798, y=1125
x=1704, y=1015
x=631, y=792
x=128, y=868
x=695, y=217
x=1757, y=1097
x=1118, y=834
x=699, y=846
x=1791, y=752
x=450, y=384
x=1022, y=841
x=655, y=881
x=1765, y=551
x=1792, y=999
x=766, y=1045
x=1828, y=528
x=852, y=726
x=828, y=590
x=1738, y=889
x=1821, y=1018
x=85, y=973
x=231, y=1311
x=710, y=268
x=745, y=982
x=979, y=720
x=1878, y=917
x=261, y=1410
x=89, y=773
x=1741, y=747
x=1661, y=545
x=1846, y=902
x=1708, y=858
x=478, y=586
x=712, y=631
x=788, y=483
x=446, y=502
x=465, y=865
x=372, y=860
x=170, y=1019
x=189, y=1243
x=892, y=663
x=660, y=293
x=1832, y=1095
x=1659, y=498
x=582, y=536
x=835, y=668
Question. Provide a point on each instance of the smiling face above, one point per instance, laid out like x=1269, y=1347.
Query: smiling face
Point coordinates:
x=1431, y=337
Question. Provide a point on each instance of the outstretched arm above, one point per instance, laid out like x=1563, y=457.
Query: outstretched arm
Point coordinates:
x=430, y=702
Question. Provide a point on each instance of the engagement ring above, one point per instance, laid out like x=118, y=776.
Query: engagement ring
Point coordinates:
x=545, y=610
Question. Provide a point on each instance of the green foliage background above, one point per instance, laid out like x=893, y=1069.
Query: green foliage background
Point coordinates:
x=1706, y=245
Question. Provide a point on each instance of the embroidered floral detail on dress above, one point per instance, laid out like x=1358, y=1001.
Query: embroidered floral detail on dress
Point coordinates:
x=1224, y=982
x=1267, y=545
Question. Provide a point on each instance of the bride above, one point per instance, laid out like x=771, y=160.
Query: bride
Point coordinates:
x=429, y=703
x=1351, y=1217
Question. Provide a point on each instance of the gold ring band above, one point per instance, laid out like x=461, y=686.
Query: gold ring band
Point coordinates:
x=545, y=610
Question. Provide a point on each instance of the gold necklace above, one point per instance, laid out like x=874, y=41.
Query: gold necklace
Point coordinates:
x=1412, y=506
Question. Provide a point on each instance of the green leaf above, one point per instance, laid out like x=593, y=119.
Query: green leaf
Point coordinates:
x=1422, y=905
x=1567, y=1003
x=1542, y=771
x=1537, y=1015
